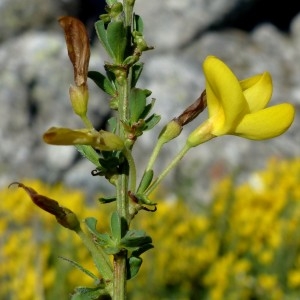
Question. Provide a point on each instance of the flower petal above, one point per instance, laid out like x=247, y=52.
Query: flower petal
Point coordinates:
x=266, y=123
x=224, y=94
x=257, y=91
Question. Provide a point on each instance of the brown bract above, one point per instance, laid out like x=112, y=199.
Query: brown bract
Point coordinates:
x=78, y=46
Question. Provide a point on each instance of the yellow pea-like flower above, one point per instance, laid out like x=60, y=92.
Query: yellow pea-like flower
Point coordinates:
x=239, y=107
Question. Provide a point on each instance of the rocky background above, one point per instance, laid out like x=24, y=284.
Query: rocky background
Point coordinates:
x=251, y=36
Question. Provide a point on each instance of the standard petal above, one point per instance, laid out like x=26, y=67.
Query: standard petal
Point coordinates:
x=224, y=94
x=266, y=123
x=257, y=91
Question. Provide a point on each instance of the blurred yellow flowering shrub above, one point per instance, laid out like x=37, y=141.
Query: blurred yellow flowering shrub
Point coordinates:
x=244, y=245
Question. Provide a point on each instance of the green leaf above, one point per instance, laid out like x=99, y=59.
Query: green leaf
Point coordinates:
x=112, y=122
x=85, y=293
x=116, y=39
x=91, y=224
x=135, y=238
x=115, y=226
x=151, y=122
x=137, y=103
x=136, y=73
x=102, y=82
x=81, y=268
x=147, y=109
x=142, y=249
x=102, y=35
x=134, y=264
x=104, y=200
x=90, y=153
x=143, y=199
x=138, y=24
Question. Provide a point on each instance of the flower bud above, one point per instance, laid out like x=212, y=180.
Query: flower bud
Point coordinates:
x=79, y=96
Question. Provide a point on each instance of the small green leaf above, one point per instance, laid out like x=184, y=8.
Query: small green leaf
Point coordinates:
x=135, y=238
x=145, y=181
x=138, y=24
x=86, y=293
x=137, y=103
x=151, y=122
x=89, y=153
x=91, y=224
x=115, y=226
x=112, y=122
x=142, y=249
x=102, y=82
x=134, y=264
x=136, y=73
x=81, y=268
x=102, y=35
x=105, y=200
x=144, y=200
x=116, y=39
x=147, y=109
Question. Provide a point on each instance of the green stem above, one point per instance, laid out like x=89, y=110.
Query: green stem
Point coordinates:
x=132, y=169
x=166, y=171
x=87, y=122
x=154, y=154
x=120, y=259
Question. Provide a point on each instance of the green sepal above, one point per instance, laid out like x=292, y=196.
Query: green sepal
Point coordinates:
x=134, y=239
x=90, y=153
x=145, y=181
x=137, y=103
x=102, y=35
x=105, y=200
x=151, y=122
x=138, y=24
x=133, y=266
x=136, y=73
x=81, y=268
x=102, y=82
x=117, y=41
x=86, y=293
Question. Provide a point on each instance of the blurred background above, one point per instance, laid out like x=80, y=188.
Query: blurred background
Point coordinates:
x=250, y=36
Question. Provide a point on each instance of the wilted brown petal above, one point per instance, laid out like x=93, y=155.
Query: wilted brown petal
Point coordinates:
x=78, y=45
x=193, y=110
x=45, y=203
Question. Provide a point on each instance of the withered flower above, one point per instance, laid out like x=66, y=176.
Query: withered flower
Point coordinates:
x=78, y=46
x=63, y=215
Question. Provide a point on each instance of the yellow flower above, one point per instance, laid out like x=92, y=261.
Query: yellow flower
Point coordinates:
x=239, y=107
